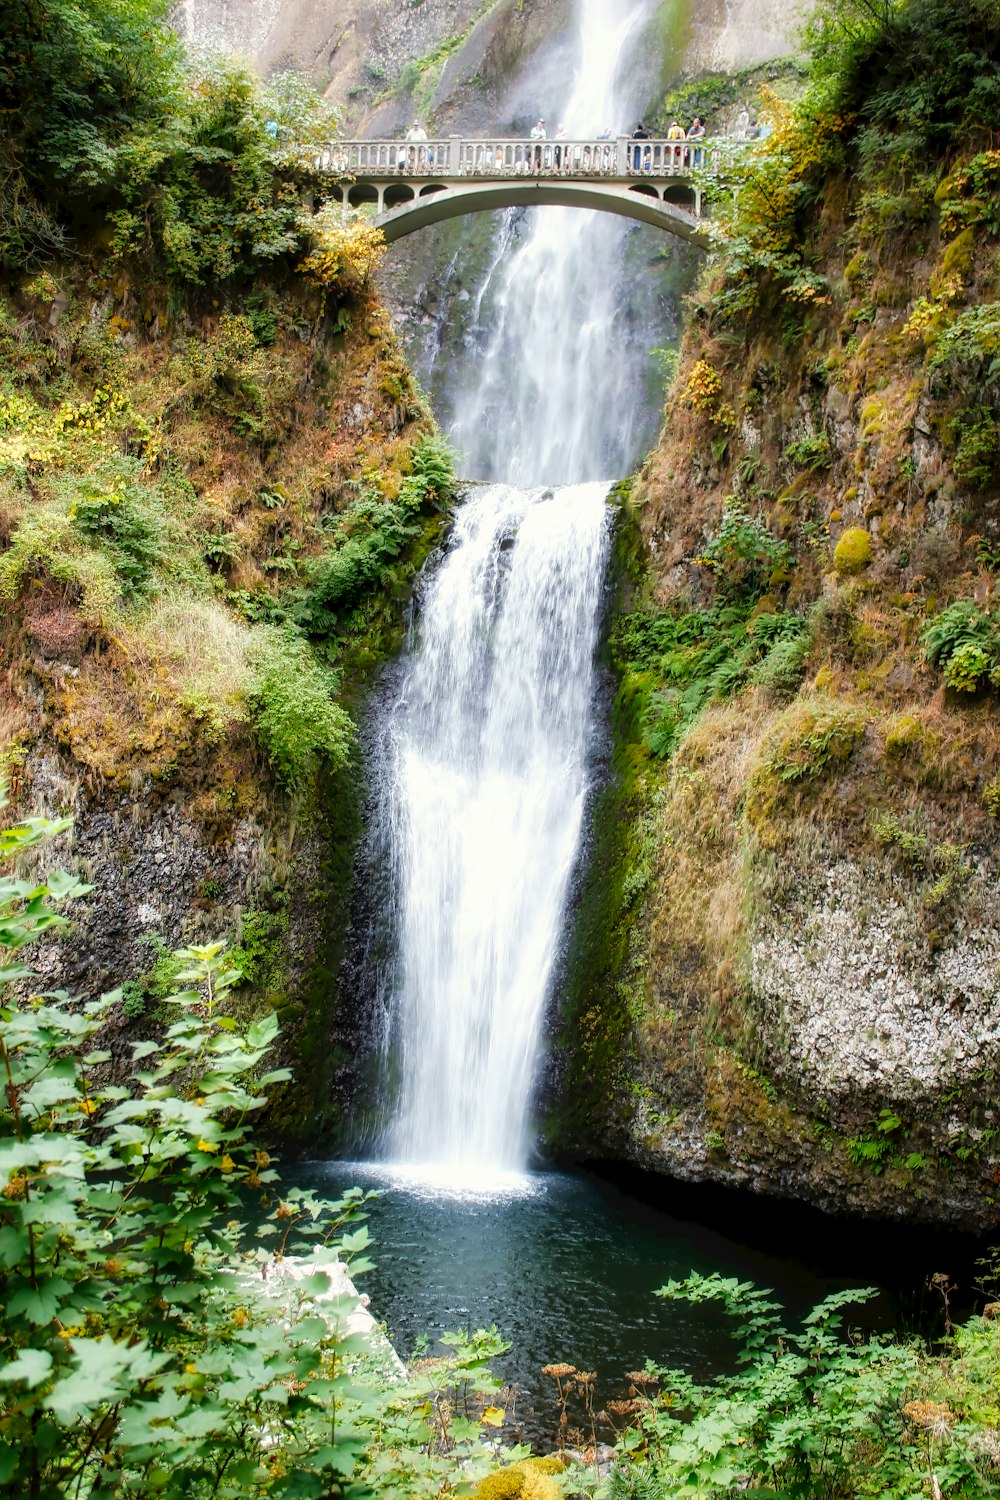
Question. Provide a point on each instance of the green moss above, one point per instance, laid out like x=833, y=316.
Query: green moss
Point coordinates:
x=859, y=271
x=853, y=552
x=533, y=1479
x=809, y=740
x=956, y=262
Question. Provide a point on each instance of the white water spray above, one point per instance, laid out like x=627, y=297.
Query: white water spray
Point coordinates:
x=487, y=753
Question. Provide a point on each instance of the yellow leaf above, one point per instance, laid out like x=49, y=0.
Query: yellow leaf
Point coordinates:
x=493, y=1416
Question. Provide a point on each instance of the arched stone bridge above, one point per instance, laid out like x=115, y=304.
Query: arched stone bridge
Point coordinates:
x=414, y=184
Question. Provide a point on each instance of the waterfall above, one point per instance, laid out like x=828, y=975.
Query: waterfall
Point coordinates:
x=488, y=753
x=485, y=750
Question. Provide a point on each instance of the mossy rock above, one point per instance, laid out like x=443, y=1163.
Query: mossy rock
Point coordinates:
x=532, y=1479
x=956, y=262
x=853, y=552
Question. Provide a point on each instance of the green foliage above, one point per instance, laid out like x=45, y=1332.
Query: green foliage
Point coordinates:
x=878, y=1150
x=784, y=666
x=867, y=50
x=299, y=726
x=667, y=361
x=710, y=93
x=122, y=517
x=744, y=557
x=893, y=84
x=673, y=665
x=133, y=999
x=432, y=480
x=810, y=1414
x=369, y=539
x=79, y=77
x=967, y=198
x=963, y=642
x=941, y=867
x=201, y=171
x=810, y=740
x=811, y=453
x=150, y=1344
x=975, y=432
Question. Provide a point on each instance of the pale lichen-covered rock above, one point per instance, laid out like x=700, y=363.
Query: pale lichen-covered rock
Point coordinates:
x=859, y=1008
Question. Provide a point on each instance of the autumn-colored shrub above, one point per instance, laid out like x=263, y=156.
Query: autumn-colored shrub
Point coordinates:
x=346, y=248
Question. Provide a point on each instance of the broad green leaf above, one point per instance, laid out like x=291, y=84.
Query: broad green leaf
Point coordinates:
x=31, y=1365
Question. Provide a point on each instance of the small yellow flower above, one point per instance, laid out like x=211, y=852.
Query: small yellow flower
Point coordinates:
x=86, y=1106
x=206, y=1146
x=227, y=1164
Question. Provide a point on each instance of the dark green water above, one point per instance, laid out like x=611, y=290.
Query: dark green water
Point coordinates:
x=566, y=1267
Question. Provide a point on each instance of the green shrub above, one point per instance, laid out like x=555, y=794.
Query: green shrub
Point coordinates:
x=744, y=557
x=784, y=666
x=876, y=1151
x=298, y=725
x=149, y=1346
x=102, y=112
x=432, y=480
x=812, y=453
x=976, y=434
x=133, y=999
x=969, y=346
x=673, y=665
x=963, y=641
x=118, y=517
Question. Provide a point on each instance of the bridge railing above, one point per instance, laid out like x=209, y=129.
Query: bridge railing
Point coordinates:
x=455, y=157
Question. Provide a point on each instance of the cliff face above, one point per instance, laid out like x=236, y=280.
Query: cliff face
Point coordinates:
x=168, y=480
x=789, y=973
x=483, y=62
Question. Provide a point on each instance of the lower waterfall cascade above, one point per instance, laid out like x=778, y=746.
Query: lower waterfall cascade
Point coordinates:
x=487, y=751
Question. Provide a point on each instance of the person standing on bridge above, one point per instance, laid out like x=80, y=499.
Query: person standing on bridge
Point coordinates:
x=416, y=135
x=640, y=133
x=693, y=154
x=676, y=133
x=538, y=134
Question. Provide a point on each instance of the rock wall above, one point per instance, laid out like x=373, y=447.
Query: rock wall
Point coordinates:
x=494, y=54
